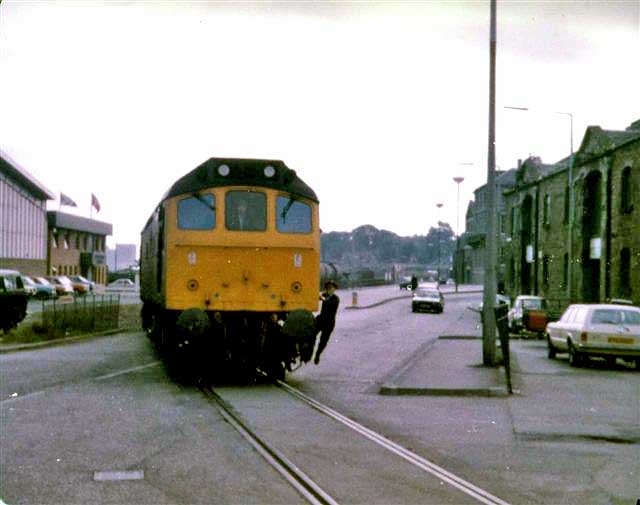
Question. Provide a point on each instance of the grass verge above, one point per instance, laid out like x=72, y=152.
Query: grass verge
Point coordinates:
x=32, y=330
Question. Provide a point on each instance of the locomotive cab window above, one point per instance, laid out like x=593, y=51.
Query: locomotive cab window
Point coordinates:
x=246, y=211
x=197, y=213
x=292, y=216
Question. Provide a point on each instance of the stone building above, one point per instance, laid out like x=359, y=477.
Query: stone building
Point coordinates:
x=471, y=252
x=580, y=244
x=23, y=219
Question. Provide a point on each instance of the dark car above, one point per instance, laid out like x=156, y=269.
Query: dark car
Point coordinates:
x=13, y=299
x=427, y=299
x=405, y=283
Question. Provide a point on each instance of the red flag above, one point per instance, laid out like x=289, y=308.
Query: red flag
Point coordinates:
x=95, y=203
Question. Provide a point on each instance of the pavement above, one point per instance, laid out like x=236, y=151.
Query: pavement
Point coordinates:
x=448, y=366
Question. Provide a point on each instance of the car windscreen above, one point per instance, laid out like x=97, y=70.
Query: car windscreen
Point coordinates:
x=532, y=304
x=428, y=293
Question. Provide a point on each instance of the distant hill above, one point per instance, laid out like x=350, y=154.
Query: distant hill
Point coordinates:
x=367, y=248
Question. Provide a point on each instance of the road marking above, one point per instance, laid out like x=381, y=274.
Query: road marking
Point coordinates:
x=119, y=475
x=128, y=370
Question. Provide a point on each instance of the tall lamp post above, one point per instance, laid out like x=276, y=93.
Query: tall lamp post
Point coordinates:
x=489, y=288
x=439, y=205
x=457, y=180
x=570, y=196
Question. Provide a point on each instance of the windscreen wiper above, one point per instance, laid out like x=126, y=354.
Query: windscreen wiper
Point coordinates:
x=286, y=209
x=201, y=199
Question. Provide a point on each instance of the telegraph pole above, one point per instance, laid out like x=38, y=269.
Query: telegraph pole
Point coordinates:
x=489, y=295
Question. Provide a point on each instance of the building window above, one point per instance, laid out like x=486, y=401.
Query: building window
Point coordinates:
x=546, y=212
x=54, y=240
x=77, y=240
x=626, y=200
x=625, y=272
x=567, y=204
x=65, y=241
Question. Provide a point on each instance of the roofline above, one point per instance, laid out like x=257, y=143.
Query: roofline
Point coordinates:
x=37, y=189
x=57, y=219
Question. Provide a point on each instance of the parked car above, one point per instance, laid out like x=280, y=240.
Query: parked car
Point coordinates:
x=62, y=284
x=81, y=285
x=528, y=313
x=500, y=300
x=29, y=286
x=605, y=330
x=44, y=289
x=121, y=285
x=427, y=298
x=37, y=289
x=13, y=300
x=405, y=283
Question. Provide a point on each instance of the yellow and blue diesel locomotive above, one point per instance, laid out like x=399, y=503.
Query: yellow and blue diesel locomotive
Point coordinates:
x=230, y=267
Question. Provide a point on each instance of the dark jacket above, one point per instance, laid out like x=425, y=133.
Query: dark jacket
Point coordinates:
x=327, y=316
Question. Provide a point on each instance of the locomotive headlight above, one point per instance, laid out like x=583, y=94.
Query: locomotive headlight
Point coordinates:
x=192, y=284
x=224, y=170
x=269, y=171
x=296, y=286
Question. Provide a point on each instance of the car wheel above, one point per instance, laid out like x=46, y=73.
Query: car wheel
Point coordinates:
x=551, y=351
x=575, y=359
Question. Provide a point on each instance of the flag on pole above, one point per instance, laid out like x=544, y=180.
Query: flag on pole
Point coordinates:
x=95, y=203
x=65, y=200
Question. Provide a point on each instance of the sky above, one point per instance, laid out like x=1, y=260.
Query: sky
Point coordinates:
x=376, y=105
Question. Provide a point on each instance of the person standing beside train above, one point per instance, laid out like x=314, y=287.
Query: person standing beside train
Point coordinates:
x=326, y=320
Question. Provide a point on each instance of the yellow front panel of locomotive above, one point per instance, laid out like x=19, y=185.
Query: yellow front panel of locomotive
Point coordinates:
x=229, y=270
x=234, y=278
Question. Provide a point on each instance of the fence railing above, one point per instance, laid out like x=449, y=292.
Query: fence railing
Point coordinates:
x=89, y=313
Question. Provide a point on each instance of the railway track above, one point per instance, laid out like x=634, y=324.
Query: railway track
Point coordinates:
x=343, y=460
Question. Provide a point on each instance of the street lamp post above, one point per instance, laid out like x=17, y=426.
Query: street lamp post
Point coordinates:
x=439, y=205
x=489, y=288
x=457, y=180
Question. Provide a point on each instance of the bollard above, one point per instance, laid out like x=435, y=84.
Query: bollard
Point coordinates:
x=503, y=332
x=354, y=298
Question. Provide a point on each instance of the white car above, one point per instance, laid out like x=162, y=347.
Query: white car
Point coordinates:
x=121, y=285
x=427, y=299
x=604, y=330
x=521, y=304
